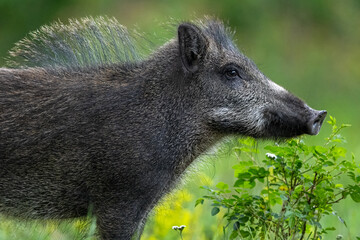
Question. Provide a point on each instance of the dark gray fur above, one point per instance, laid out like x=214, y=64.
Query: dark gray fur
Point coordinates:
x=118, y=134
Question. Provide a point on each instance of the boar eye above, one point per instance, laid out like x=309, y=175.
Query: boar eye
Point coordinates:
x=232, y=74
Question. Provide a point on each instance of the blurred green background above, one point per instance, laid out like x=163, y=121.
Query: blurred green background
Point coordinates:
x=312, y=48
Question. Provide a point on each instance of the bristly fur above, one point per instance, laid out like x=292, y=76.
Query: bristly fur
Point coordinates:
x=215, y=28
x=86, y=42
x=93, y=42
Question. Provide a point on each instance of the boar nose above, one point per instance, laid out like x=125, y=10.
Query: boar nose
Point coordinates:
x=316, y=121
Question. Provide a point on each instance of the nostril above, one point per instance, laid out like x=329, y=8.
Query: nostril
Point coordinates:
x=320, y=117
x=316, y=122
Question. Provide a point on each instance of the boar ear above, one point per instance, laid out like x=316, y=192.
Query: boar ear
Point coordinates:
x=192, y=46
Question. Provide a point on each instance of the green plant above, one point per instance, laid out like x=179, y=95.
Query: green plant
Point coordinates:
x=287, y=194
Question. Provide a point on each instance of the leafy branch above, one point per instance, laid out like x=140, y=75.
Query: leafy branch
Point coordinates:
x=286, y=195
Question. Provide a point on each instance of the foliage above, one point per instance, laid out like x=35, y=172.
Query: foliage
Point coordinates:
x=286, y=195
x=172, y=213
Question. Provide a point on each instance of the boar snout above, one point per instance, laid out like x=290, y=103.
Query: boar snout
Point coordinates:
x=315, y=122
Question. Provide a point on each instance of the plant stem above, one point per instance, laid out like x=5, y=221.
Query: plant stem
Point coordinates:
x=336, y=201
x=303, y=231
x=283, y=209
x=309, y=202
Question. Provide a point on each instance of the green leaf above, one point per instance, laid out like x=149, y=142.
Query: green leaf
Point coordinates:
x=243, y=219
x=236, y=225
x=332, y=121
x=357, y=180
x=253, y=170
x=199, y=201
x=222, y=186
x=328, y=163
x=330, y=229
x=351, y=175
x=320, y=149
x=244, y=184
x=245, y=175
x=215, y=211
x=355, y=196
x=338, y=151
x=288, y=213
x=298, y=164
x=283, y=197
x=244, y=234
x=233, y=235
x=298, y=188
